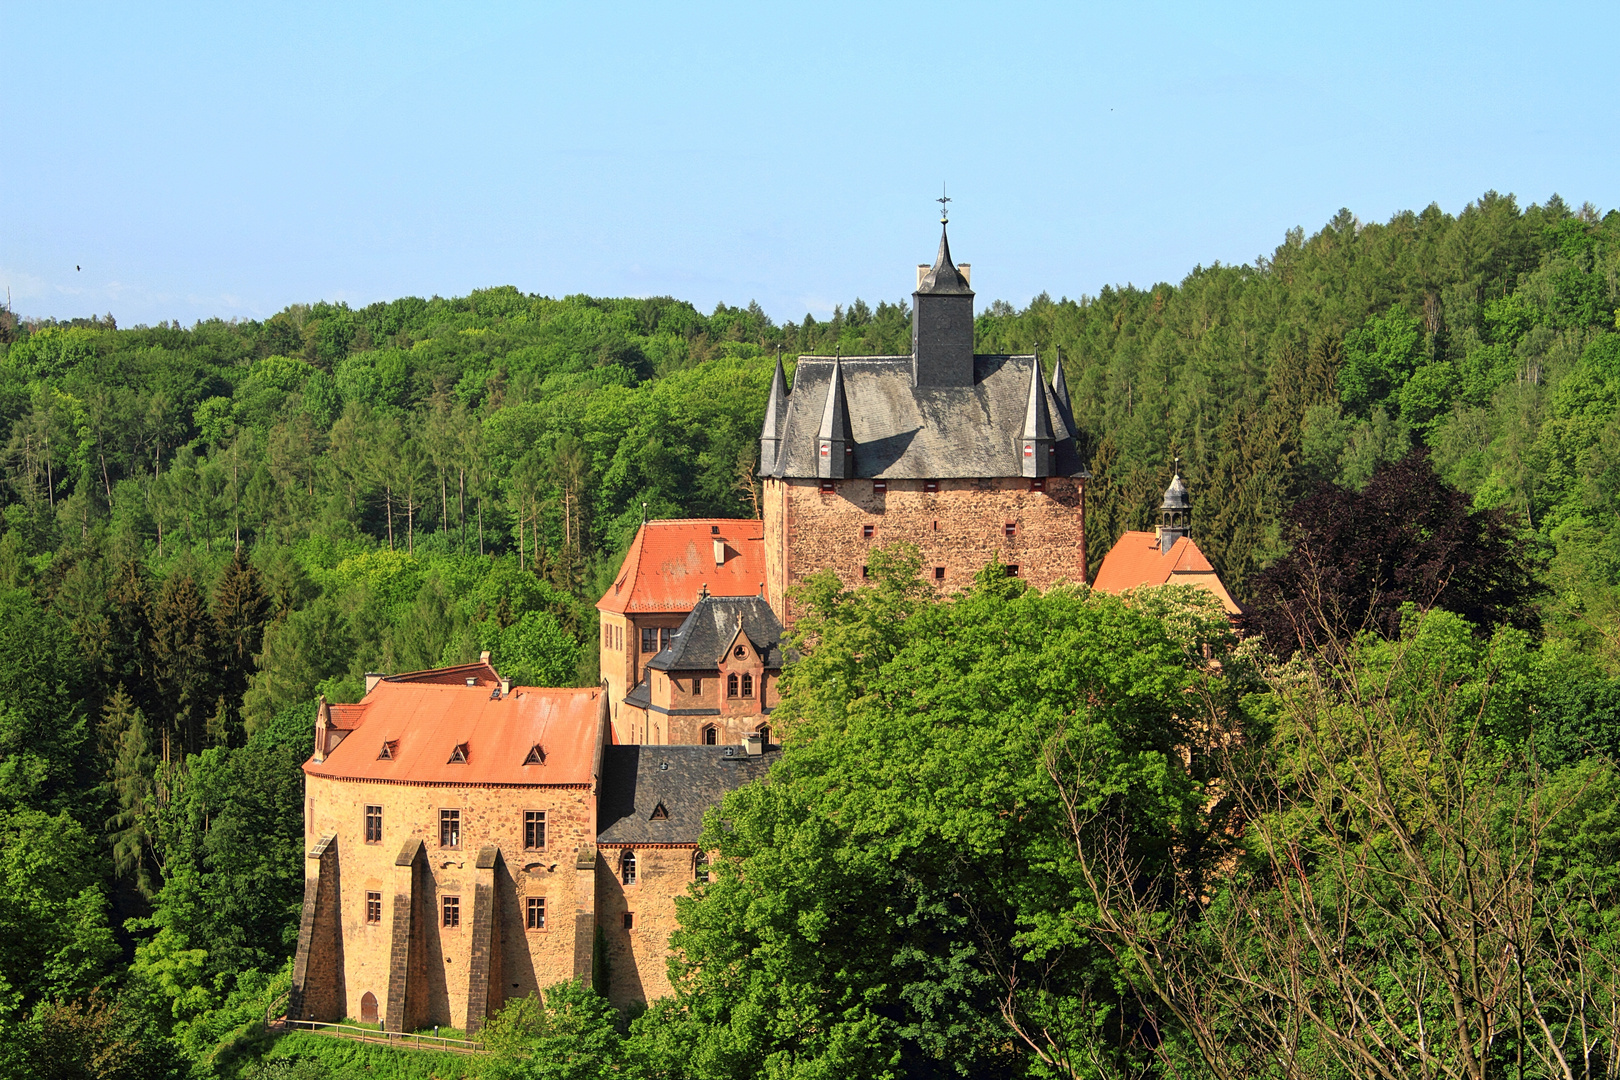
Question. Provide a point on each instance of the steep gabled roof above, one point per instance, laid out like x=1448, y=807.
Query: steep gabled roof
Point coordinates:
x=481, y=671
x=904, y=431
x=702, y=640
x=1135, y=561
x=670, y=561
x=428, y=720
x=684, y=780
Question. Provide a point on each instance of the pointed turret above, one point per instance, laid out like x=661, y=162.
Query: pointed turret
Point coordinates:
x=835, y=442
x=942, y=323
x=1060, y=395
x=1035, y=444
x=1175, y=513
x=770, y=435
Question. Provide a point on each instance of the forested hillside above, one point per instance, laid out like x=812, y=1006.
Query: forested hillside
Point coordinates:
x=203, y=528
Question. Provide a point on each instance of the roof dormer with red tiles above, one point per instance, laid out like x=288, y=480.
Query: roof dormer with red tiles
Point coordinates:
x=670, y=565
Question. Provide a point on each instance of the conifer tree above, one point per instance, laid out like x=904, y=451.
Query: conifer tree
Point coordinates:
x=184, y=665
x=132, y=771
x=241, y=609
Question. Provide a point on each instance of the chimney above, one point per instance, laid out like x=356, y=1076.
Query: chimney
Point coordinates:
x=323, y=720
x=719, y=552
x=922, y=272
x=966, y=270
x=372, y=679
x=483, y=657
x=754, y=744
x=506, y=686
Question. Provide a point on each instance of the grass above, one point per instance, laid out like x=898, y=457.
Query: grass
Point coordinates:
x=344, y=1059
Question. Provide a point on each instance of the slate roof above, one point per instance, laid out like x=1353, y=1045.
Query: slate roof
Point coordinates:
x=702, y=640
x=686, y=780
x=943, y=278
x=669, y=561
x=1136, y=561
x=902, y=431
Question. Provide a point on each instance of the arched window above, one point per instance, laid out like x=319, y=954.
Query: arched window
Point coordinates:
x=627, y=867
x=765, y=734
x=700, y=866
x=711, y=735
x=748, y=686
x=731, y=685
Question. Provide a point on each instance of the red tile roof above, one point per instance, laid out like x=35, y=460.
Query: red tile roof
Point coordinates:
x=480, y=670
x=1135, y=561
x=669, y=561
x=429, y=718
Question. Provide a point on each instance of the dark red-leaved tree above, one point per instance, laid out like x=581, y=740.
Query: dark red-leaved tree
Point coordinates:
x=1356, y=557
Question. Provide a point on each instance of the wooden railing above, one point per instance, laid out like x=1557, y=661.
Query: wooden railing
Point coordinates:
x=396, y=1039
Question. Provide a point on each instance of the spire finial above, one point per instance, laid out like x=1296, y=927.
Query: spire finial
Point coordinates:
x=944, y=209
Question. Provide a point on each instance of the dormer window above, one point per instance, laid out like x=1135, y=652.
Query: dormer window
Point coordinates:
x=458, y=756
x=659, y=813
x=537, y=756
x=389, y=749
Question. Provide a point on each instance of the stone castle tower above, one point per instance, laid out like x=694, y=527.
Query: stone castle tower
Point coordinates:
x=969, y=457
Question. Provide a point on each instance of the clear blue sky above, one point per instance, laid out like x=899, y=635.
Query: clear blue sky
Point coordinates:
x=230, y=159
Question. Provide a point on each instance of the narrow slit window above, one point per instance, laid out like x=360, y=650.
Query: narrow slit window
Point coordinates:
x=373, y=824
x=627, y=868
x=629, y=920
x=697, y=686
x=534, y=829
x=452, y=911
x=535, y=912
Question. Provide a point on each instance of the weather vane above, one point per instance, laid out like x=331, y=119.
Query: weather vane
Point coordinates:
x=944, y=210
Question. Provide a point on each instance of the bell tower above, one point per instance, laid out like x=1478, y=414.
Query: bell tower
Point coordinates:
x=942, y=320
x=1175, y=513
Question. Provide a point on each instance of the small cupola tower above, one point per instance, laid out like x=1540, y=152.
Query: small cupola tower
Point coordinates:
x=770, y=435
x=1035, y=447
x=942, y=321
x=835, y=442
x=1175, y=513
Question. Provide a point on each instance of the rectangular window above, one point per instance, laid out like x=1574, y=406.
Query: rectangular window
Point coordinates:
x=449, y=828
x=373, y=907
x=1037, y=485
x=879, y=487
x=1012, y=571
x=629, y=920
x=930, y=485
x=649, y=640
x=866, y=571
x=939, y=573
x=452, y=911
x=826, y=485
x=1011, y=529
x=697, y=685
x=535, y=910
x=867, y=531
x=665, y=634
x=534, y=829
x=373, y=824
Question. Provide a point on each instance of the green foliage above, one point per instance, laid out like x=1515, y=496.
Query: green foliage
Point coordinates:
x=568, y=1033
x=896, y=901
x=54, y=934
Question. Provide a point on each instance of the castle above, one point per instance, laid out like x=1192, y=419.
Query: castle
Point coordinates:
x=470, y=841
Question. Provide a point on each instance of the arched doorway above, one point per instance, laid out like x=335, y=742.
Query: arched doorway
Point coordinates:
x=368, y=1008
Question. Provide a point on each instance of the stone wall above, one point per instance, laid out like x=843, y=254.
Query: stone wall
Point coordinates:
x=528, y=960
x=637, y=958
x=958, y=528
